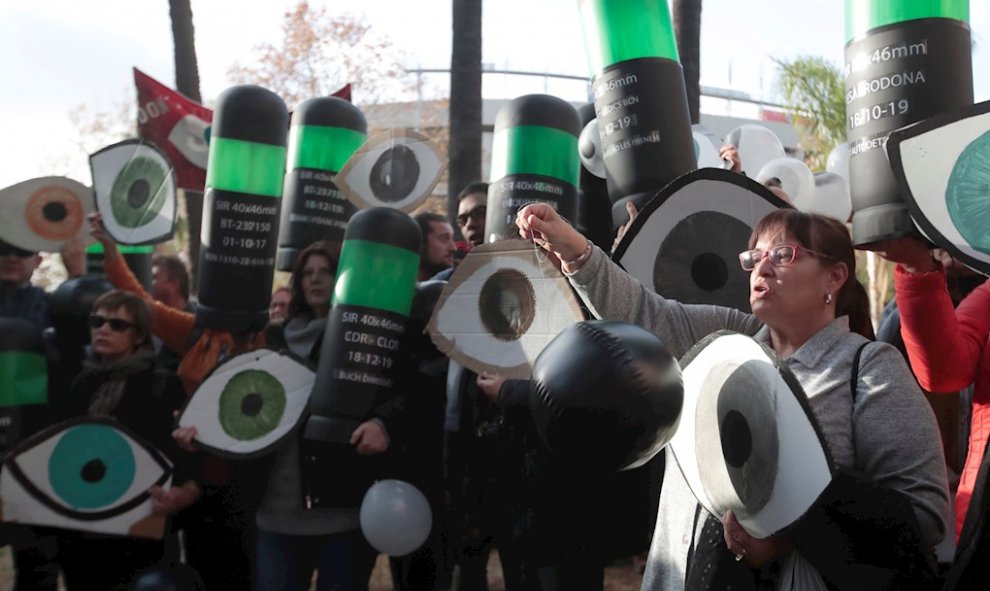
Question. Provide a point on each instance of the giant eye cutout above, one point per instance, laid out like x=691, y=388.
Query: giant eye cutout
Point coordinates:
x=190, y=136
x=685, y=244
x=85, y=474
x=42, y=214
x=942, y=166
x=748, y=441
x=502, y=306
x=396, y=169
x=249, y=405
x=135, y=192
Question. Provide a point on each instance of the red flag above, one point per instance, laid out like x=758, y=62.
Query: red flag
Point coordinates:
x=177, y=125
x=344, y=93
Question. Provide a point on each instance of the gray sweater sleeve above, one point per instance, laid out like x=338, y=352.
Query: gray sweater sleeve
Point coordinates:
x=612, y=294
x=897, y=438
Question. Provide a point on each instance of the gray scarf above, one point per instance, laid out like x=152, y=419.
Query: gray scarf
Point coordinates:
x=302, y=332
x=112, y=377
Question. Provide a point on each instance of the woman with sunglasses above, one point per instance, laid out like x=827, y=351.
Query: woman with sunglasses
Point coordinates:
x=800, y=266
x=120, y=381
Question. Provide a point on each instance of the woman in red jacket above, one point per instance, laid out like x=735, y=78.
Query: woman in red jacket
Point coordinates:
x=947, y=345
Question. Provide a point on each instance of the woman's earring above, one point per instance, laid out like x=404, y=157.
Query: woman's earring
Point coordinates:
x=828, y=298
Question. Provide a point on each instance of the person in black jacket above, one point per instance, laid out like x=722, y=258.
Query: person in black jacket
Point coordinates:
x=120, y=381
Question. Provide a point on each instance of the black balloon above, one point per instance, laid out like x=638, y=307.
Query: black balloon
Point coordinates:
x=605, y=395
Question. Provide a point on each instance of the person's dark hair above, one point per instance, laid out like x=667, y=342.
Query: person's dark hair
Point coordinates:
x=478, y=188
x=176, y=270
x=773, y=183
x=854, y=302
x=298, y=305
x=425, y=219
x=821, y=234
x=135, y=306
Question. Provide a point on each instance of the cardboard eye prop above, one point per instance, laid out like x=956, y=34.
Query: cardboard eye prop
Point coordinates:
x=135, y=192
x=85, y=474
x=942, y=166
x=501, y=307
x=685, y=243
x=250, y=404
x=396, y=169
x=42, y=214
x=748, y=441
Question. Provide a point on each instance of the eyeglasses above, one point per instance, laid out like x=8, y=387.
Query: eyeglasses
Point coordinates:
x=118, y=325
x=10, y=249
x=477, y=214
x=781, y=255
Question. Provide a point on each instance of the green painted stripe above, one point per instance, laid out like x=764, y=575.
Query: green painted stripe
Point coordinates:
x=863, y=15
x=534, y=149
x=23, y=378
x=620, y=30
x=321, y=147
x=376, y=275
x=245, y=167
x=97, y=248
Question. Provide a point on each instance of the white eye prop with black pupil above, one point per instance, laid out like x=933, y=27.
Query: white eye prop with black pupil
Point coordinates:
x=942, y=166
x=502, y=306
x=685, y=244
x=85, y=474
x=189, y=138
x=135, y=192
x=42, y=214
x=396, y=169
x=250, y=404
x=748, y=441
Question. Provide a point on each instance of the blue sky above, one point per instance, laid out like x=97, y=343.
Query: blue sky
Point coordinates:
x=56, y=55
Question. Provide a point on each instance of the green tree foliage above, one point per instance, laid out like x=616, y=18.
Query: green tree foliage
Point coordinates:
x=814, y=89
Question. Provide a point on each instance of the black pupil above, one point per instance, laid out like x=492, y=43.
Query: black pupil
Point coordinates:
x=394, y=174
x=709, y=271
x=138, y=193
x=54, y=211
x=94, y=471
x=737, y=441
x=251, y=404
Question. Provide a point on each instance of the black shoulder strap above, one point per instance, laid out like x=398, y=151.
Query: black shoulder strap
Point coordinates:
x=855, y=370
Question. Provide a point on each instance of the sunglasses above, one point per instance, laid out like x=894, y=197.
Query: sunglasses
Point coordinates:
x=477, y=214
x=9, y=249
x=781, y=255
x=118, y=325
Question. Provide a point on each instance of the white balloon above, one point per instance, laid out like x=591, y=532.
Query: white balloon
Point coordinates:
x=705, y=148
x=757, y=146
x=395, y=517
x=590, y=149
x=831, y=197
x=796, y=179
x=838, y=161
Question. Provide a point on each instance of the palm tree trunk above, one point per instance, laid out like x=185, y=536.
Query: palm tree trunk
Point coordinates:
x=687, y=30
x=465, y=101
x=187, y=82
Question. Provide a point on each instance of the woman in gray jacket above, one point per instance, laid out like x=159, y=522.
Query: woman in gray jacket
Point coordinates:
x=798, y=264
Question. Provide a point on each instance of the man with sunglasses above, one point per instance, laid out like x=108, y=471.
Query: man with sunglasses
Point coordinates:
x=18, y=298
x=471, y=211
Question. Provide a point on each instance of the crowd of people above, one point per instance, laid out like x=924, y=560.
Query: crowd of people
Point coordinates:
x=470, y=446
